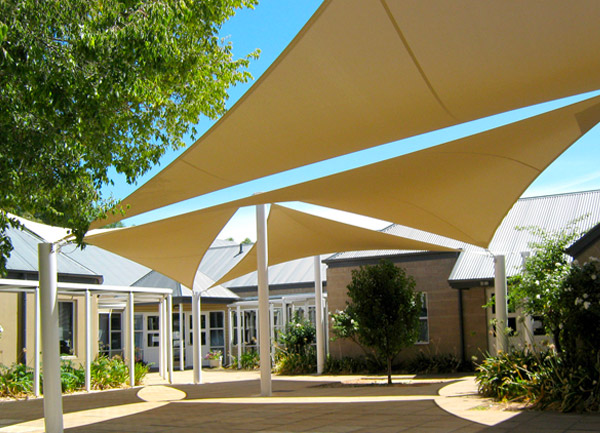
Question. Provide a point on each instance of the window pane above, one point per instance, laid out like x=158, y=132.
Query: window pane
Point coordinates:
x=152, y=323
x=203, y=336
x=217, y=337
x=138, y=322
x=115, y=321
x=216, y=319
x=202, y=321
x=65, y=328
x=423, y=331
x=139, y=339
x=103, y=330
x=153, y=339
x=115, y=340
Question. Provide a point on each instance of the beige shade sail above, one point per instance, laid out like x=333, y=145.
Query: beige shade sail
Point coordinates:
x=173, y=247
x=462, y=189
x=364, y=73
x=294, y=235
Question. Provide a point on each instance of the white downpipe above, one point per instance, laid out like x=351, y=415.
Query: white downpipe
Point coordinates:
x=197, y=332
x=319, y=316
x=263, y=301
x=170, y=337
x=500, y=294
x=131, y=339
x=36, y=345
x=88, y=341
x=53, y=409
x=181, y=339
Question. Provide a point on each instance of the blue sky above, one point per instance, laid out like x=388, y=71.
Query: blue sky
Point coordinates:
x=270, y=27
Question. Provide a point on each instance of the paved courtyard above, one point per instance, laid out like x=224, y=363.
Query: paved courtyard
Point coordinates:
x=230, y=402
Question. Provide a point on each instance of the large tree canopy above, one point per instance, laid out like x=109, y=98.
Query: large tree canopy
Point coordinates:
x=87, y=86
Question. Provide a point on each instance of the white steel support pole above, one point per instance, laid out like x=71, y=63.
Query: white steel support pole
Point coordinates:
x=197, y=332
x=272, y=329
x=263, y=300
x=170, y=337
x=500, y=294
x=319, y=316
x=53, y=410
x=36, y=345
x=239, y=336
x=181, y=339
x=161, y=342
x=88, y=341
x=131, y=338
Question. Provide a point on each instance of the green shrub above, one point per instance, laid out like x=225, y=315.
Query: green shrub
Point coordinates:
x=298, y=337
x=425, y=363
x=248, y=361
x=109, y=372
x=15, y=381
x=543, y=380
x=346, y=365
x=140, y=372
x=296, y=363
x=71, y=378
x=507, y=376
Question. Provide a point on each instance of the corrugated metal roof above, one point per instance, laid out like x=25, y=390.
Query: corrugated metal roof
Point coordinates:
x=221, y=257
x=201, y=283
x=293, y=272
x=551, y=213
x=24, y=256
x=116, y=270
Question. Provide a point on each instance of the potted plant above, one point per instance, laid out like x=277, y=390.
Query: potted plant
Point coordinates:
x=215, y=358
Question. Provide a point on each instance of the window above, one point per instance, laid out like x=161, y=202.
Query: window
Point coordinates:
x=250, y=330
x=202, y=328
x=423, y=321
x=217, y=330
x=65, y=328
x=110, y=333
x=153, y=334
x=138, y=326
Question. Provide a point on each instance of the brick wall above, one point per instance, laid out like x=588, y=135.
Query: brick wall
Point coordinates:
x=431, y=272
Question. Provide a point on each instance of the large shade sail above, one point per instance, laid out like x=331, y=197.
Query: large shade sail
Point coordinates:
x=462, y=189
x=173, y=247
x=364, y=73
x=294, y=235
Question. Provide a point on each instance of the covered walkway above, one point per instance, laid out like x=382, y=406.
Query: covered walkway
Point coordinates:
x=229, y=402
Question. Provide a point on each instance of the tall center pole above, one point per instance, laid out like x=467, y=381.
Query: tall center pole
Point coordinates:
x=500, y=294
x=263, y=301
x=53, y=409
x=319, y=316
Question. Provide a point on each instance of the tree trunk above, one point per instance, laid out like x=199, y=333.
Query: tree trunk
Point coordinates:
x=389, y=370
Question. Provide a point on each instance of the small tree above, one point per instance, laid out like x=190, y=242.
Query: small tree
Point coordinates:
x=386, y=308
x=538, y=290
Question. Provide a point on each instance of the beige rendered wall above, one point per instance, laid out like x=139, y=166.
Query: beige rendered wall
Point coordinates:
x=592, y=251
x=431, y=272
x=9, y=322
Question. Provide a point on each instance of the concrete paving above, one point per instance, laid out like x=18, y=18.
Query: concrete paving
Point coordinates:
x=229, y=401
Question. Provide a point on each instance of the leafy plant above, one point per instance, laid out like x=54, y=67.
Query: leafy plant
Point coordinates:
x=15, y=381
x=346, y=365
x=140, y=372
x=249, y=360
x=72, y=378
x=386, y=308
x=425, y=363
x=109, y=372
